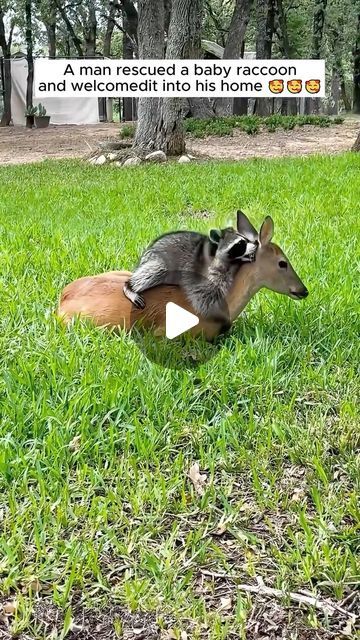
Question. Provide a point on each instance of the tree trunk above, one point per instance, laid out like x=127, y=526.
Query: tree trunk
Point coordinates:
x=49, y=21
x=130, y=24
x=67, y=46
x=29, y=55
x=183, y=42
x=312, y=105
x=109, y=30
x=200, y=108
x=151, y=46
x=343, y=93
x=6, y=49
x=264, y=36
x=333, y=107
x=51, y=34
x=167, y=15
x=197, y=107
x=6, y=116
x=356, y=146
x=234, y=47
x=356, y=58
x=288, y=105
x=90, y=32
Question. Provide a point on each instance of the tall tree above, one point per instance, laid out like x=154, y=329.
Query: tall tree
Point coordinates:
x=151, y=46
x=130, y=48
x=234, y=47
x=356, y=146
x=312, y=105
x=356, y=58
x=183, y=42
x=76, y=40
x=47, y=12
x=89, y=22
x=5, y=44
x=29, y=53
x=338, y=85
x=288, y=105
x=265, y=18
x=110, y=24
x=160, y=123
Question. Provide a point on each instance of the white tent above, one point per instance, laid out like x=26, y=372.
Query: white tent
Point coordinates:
x=61, y=110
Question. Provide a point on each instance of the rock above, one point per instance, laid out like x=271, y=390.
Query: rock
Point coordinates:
x=112, y=156
x=100, y=160
x=184, y=159
x=156, y=156
x=132, y=162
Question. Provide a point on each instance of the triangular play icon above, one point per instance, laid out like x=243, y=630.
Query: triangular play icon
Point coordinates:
x=178, y=320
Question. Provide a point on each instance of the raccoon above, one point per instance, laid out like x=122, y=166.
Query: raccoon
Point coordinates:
x=204, y=267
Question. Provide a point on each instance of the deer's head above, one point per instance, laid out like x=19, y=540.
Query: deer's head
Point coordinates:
x=271, y=269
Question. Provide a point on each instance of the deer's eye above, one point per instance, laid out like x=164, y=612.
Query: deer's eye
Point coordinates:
x=283, y=264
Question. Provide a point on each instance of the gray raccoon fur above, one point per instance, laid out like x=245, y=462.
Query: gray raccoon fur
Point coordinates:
x=204, y=267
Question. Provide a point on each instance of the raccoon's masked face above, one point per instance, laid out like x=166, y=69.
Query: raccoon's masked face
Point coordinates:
x=232, y=246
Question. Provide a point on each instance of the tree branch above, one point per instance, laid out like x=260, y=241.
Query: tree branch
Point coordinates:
x=76, y=40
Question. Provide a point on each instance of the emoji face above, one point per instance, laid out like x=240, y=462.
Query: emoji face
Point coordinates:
x=276, y=86
x=294, y=86
x=312, y=86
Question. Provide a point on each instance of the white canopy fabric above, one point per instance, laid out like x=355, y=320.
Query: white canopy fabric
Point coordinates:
x=61, y=110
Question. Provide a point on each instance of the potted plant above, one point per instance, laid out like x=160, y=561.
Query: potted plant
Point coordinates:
x=30, y=116
x=41, y=119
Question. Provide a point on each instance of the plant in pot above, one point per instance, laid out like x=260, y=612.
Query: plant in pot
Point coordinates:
x=41, y=119
x=30, y=116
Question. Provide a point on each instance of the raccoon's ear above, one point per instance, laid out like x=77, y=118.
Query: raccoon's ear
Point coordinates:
x=266, y=231
x=214, y=236
x=245, y=227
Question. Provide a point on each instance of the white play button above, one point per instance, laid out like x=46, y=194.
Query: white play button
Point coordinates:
x=178, y=320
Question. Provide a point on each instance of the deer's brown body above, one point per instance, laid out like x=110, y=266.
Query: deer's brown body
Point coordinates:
x=101, y=299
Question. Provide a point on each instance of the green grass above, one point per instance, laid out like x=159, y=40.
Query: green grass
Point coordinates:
x=272, y=419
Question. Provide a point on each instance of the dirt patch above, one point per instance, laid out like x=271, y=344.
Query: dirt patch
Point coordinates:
x=19, y=145
x=300, y=141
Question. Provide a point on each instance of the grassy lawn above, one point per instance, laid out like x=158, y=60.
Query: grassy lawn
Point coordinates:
x=96, y=506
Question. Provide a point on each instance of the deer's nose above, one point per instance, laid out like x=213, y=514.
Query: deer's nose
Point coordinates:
x=299, y=294
x=303, y=293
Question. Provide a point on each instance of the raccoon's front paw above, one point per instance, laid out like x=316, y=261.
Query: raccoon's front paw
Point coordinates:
x=136, y=299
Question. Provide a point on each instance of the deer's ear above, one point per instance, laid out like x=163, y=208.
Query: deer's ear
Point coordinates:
x=266, y=231
x=245, y=227
x=214, y=236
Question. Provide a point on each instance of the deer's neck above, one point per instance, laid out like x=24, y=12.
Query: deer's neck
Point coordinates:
x=246, y=284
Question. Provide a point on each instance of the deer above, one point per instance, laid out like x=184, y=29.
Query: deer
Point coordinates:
x=101, y=300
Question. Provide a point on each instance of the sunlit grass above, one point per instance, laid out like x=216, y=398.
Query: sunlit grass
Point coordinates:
x=96, y=442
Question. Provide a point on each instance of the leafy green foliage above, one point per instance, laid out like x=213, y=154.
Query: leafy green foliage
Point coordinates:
x=200, y=128
x=127, y=130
